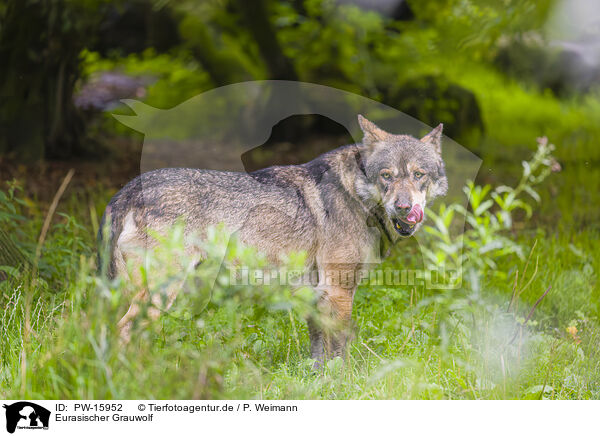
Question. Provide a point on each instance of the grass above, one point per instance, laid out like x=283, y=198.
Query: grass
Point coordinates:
x=410, y=343
x=59, y=340
x=57, y=328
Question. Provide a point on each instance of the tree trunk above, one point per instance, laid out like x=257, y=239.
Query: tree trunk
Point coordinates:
x=37, y=115
x=220, y=68
x=255, y=16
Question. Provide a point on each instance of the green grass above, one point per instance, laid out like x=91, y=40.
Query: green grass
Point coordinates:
x=514, y=114
x=59, y=336
x=411, y=343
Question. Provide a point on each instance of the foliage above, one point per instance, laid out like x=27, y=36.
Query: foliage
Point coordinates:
x=67, y=240
x=476, y=27
x=173, y=78
x=489, y=217
x=59, y=336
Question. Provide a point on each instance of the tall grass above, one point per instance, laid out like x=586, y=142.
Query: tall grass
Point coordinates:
x=59, y=337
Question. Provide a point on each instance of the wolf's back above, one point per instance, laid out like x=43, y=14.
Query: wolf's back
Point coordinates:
x=203, y=197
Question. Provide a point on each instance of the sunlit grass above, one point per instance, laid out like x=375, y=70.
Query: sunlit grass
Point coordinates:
x=59, y=337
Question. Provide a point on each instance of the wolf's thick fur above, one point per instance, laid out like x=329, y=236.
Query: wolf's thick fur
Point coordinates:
x=335, y=208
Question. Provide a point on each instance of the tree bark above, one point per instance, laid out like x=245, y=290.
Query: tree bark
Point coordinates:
x=255, y=16
x=37, y=115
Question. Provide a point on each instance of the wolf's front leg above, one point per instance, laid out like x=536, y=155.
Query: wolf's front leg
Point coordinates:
x=330, y=330
x=315, y=333
x=337, y=334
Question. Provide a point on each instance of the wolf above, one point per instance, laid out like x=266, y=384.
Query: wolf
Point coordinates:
x=337, y=209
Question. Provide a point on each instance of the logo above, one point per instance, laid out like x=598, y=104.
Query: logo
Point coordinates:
x=26, y=415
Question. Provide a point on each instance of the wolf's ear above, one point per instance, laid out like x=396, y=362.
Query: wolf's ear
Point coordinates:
x=372, y=132
x=434, y=138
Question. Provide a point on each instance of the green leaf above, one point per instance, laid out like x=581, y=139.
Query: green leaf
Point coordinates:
x=526, y=169
x=483, y=207
x=532, y=192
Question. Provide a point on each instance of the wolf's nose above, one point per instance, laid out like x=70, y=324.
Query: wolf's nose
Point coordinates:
x=415, y=215
x=402, y=207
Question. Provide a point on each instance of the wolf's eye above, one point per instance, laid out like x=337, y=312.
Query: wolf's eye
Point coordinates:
x=386, y=175
x=418, y=174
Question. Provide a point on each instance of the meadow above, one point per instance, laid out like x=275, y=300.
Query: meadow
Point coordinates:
x=498, y=336
x=522, y=322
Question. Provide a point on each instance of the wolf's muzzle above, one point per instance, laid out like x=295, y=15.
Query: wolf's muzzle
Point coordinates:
x=415, y=215
x=409, y=214
x=406, y=223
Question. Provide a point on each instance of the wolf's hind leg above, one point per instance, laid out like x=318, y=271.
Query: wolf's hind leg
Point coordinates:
x=127, y=249
x=124, y=325
x=159, y=302
x=157, y=306
x=317, y=346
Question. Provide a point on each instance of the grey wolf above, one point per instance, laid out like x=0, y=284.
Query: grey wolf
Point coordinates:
x=336, y=208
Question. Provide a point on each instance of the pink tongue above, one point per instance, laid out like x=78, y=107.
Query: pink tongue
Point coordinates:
x=415, y=215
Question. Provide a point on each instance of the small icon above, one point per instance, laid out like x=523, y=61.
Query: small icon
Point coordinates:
x=26, y=415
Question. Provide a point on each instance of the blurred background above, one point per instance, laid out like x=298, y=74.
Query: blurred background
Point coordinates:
x=498, y=74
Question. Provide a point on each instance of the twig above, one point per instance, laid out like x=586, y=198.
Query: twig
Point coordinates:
x=50, y=214
x=536, y=304
x=373, y=352
x=28, y=295
x=514, y=293
x=529, y=258
x=537, y=258
x=412, y=331
x=517, y=292
x=539, y=300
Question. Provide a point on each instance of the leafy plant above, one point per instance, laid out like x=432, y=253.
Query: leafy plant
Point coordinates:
x=489, y=218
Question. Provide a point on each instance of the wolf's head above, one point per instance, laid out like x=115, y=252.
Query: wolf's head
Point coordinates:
x=402, y=174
